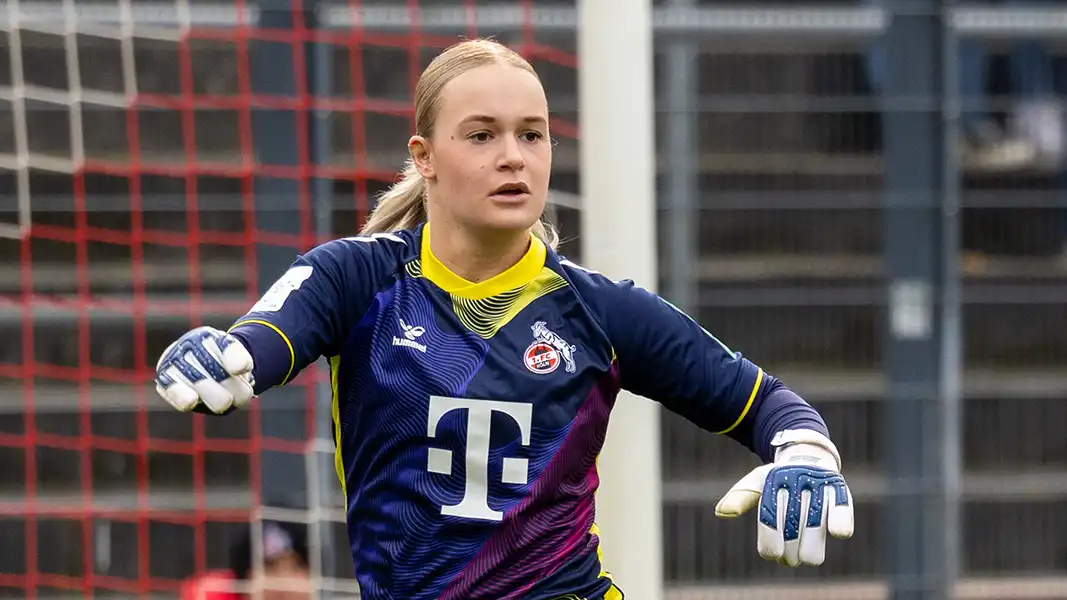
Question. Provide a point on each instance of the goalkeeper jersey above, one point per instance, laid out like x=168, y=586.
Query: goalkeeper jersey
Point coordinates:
x=468, y=416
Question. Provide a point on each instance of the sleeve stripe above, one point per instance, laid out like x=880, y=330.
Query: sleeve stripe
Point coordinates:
x=285, y=338
x=748, y=405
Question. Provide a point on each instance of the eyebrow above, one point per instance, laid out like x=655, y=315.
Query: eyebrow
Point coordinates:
x=489, y=120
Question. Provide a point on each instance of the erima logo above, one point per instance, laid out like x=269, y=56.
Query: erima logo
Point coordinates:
x=410, y=334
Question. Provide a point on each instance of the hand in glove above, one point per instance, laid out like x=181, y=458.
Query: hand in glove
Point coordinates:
x=801, y=496
x=207, y=371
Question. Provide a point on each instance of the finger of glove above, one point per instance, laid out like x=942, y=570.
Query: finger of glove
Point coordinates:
x=736, y=503
x=770, y=542
x=236, y=358
x=791, y=555
x=813, y=538
x=840, y=519
x=744, y=494
x=212, y=393
x=240, y=389
x=179, y=394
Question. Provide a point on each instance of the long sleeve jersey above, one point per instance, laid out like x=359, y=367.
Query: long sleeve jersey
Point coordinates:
x=469, y=416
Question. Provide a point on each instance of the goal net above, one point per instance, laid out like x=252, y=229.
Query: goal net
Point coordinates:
x=161, y=163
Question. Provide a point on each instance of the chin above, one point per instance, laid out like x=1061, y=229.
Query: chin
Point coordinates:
x=510, y=219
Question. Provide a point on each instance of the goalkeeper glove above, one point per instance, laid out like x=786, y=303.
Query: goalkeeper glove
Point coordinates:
x=801, y=496
x=205, y=371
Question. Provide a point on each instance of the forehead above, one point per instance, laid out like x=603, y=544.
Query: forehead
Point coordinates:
x=499, y=91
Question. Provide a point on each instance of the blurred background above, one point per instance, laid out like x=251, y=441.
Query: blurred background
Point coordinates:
x=867, y=198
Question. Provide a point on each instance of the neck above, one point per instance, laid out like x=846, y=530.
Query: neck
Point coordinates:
x=477, y=258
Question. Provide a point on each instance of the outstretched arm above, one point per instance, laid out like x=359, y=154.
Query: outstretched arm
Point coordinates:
x=303, y=316
x=300, y=318
x=666, y=356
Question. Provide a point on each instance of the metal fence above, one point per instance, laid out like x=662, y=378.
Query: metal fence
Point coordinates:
x=829, y=204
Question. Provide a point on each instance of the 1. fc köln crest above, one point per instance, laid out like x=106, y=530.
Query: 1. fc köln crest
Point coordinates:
x=547, y=351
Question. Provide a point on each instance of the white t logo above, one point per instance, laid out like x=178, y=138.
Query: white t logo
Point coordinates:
x=475, y=502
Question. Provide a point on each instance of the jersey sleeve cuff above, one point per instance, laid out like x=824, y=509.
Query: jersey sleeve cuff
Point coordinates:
x=273, y=357
x=782, y=409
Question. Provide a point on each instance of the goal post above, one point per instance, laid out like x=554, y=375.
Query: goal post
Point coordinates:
x=618, y=228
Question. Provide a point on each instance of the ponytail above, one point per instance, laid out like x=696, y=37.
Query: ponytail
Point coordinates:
x=403, y=206
x=546, y=232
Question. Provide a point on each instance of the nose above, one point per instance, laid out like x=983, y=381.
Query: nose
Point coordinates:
x=511, y=158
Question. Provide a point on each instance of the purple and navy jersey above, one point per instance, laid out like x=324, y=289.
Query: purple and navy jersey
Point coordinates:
x=469, y=416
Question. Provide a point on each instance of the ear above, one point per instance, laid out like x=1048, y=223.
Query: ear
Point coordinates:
x=421, y=154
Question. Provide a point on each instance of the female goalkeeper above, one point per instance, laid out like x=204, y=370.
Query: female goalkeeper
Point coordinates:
x=474, y=369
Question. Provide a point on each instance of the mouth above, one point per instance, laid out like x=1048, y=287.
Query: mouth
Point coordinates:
x=511, y=191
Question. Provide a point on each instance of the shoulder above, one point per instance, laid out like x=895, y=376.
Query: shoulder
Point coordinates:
x=620, y=305
x=345, y=269
x=593, y=286
x=580, y=276
x=379, y=248
x=360, y=262
x=611, y=302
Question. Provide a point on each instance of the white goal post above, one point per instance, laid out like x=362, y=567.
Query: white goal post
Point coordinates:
x=618, y=229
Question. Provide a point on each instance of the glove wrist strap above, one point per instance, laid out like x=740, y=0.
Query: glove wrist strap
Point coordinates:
x=805, y=445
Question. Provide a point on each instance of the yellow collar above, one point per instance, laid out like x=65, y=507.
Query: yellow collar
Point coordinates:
x=518, y=275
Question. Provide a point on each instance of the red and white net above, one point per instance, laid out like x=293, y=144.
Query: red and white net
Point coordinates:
x=140, y=195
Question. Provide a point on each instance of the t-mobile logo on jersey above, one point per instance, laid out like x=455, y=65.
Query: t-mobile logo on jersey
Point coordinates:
x=475, y=502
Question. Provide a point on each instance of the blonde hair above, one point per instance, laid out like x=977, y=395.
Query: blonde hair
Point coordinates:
x=403, y=205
